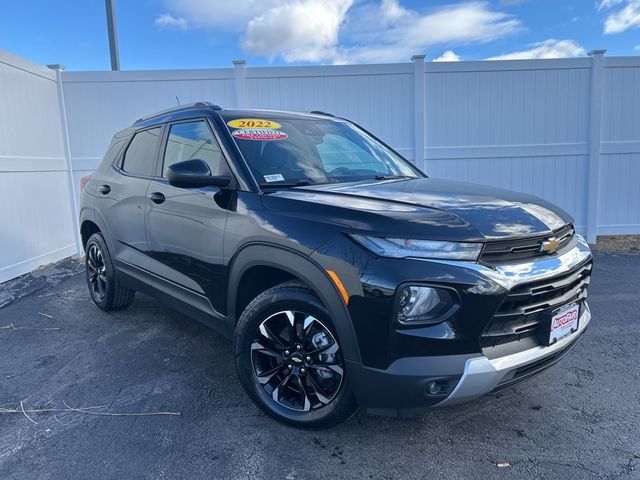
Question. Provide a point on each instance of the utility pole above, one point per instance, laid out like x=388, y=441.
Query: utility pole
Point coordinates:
x=113, y=35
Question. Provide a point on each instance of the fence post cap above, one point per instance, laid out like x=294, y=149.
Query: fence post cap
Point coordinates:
x=417, y=57
x=239, y=63
x=594, y=53
x=56, y=66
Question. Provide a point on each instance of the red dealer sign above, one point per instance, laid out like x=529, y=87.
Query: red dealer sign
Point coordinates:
x=259, y=134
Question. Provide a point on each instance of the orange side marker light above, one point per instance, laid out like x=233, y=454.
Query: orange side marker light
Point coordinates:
x=336, y=280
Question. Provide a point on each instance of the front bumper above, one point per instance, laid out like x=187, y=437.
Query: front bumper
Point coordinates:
x=401, y=387
x=482, y=375
x=401, y=390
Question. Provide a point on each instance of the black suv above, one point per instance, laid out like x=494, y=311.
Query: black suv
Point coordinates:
x=342, y=273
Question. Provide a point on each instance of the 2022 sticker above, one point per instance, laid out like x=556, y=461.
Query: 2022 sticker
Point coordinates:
x=254, y=123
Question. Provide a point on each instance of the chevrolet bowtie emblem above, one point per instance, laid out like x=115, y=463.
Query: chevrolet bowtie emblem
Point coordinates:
x=550, y=246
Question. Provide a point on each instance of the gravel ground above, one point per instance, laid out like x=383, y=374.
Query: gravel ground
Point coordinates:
x=39, y=280
x=579, y=419
x=618, y=243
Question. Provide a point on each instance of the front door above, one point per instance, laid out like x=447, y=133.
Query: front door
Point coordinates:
x=185, y=227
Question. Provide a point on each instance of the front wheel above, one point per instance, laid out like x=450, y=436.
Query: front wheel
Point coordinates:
x=290, y=361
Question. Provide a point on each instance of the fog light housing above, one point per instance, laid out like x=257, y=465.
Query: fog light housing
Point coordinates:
x=441, y=387
x=434, y=388
x=420, y=304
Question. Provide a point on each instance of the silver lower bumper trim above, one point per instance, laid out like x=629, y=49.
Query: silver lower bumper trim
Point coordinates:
x=482, y=375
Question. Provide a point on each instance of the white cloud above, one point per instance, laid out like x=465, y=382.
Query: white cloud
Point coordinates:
x=392, y=11
x=637, y=47
x=346, y=31
x=623, y=18
x=220, y=13
x=609, y=3
x=550, y=48
x=169, y=22
x=448, y=56
x=414, y=32
x=303, y=30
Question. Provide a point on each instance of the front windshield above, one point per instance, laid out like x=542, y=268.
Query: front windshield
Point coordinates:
x=305, y=151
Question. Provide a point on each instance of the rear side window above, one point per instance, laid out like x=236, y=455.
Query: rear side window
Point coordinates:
x=191, y=140
x=139, y=158
x=112, y=152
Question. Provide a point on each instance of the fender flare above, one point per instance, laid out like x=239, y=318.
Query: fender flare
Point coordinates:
x=93, y=215
x=307, y=270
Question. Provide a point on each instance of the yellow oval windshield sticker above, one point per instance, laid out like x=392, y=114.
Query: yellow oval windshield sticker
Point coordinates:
x=254, y=123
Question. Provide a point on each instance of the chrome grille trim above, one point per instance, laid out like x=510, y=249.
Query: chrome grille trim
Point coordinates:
x=525, y=248
x=520, y=314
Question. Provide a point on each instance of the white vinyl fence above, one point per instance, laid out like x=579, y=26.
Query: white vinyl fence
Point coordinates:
x=36, y=207
x=567, y=130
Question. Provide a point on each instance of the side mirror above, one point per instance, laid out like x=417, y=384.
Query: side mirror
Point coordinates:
x=193, y=174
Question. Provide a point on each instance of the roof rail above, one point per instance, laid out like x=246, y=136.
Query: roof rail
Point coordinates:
x=179, y=109
x=207, y=105
x=318, y=112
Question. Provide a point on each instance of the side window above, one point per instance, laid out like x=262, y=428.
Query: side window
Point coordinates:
x=191, y=140
x=112, y=152
x=140, y=156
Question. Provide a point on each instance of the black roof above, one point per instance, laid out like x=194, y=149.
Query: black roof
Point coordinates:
x=160, y=117
x=207, y=108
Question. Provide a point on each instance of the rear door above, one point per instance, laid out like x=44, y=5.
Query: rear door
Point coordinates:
x=186, y=227
x=122, y=190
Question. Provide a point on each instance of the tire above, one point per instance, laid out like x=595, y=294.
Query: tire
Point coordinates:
x=306, y=386
x=104, y=287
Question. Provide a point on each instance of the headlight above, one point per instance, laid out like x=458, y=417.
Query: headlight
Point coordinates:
x=419, y=304
x=403, y=247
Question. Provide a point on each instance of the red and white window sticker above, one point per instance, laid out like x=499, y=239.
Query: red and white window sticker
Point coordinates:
x=260, y=134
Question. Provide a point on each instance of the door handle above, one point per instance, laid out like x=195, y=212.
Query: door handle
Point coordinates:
x=104, y=189
x=156, y=197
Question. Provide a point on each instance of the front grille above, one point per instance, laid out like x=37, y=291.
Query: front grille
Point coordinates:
x=522, y=313
x=525, y=248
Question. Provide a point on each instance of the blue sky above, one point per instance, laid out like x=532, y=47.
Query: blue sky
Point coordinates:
x=211, y=33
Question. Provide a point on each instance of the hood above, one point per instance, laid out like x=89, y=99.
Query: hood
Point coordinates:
x=425, y=208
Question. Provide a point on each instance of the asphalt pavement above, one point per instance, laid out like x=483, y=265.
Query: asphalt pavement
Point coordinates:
x=579, y=419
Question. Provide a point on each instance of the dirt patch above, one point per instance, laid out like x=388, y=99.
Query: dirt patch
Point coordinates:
x=618, y=243
x=41, y=279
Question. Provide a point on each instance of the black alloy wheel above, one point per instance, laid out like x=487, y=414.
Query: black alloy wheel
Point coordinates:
x=297, y=361
x=289, y=358
x=96, y=272
x=104, y=286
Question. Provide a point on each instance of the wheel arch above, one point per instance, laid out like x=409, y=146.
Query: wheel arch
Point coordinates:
x=88, y=228
x=301, y=267
x=91, y=221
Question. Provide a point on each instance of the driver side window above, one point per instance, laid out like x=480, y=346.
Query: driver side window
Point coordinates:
x=191, y=140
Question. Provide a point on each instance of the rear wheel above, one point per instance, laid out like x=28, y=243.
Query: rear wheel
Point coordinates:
x=104, y=287
x=290, y=361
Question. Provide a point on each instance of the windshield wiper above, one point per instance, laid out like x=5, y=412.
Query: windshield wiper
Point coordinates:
x=391, y=177
x=299, y=183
